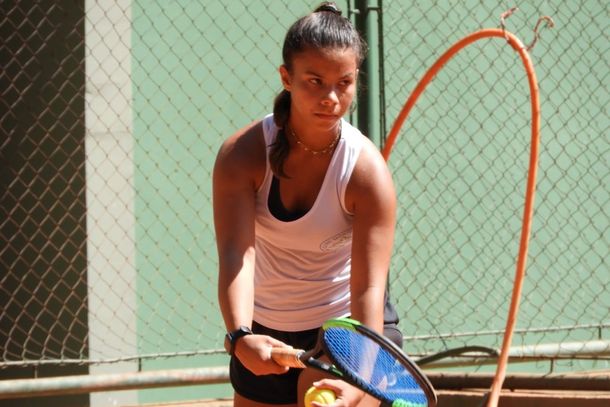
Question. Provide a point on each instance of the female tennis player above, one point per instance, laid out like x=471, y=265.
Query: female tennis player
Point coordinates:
x=304, y=211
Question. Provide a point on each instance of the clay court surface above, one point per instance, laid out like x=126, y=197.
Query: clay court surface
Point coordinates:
x=465, y=399
x=219, y=402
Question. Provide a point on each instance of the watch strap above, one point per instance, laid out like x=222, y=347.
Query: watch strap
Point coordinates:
x=233, y=336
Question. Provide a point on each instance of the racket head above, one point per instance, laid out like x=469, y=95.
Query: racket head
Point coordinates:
x=375, y=364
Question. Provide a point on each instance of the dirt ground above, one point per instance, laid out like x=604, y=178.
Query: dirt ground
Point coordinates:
x=223, y=402
x=466, y=399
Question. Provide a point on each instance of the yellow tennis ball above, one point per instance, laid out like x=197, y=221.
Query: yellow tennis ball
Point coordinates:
x=322, y=396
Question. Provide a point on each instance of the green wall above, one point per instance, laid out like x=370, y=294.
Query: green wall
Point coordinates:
x=201, y=70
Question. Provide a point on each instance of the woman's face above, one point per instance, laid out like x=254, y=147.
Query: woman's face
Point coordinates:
x=322, y=83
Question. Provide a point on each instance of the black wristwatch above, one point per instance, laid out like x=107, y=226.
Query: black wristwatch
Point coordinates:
x=232, y=337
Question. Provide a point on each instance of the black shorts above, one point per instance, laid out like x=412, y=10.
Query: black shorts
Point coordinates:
x=282, y=389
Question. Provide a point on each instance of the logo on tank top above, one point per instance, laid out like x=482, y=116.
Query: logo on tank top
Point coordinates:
x=337, y=241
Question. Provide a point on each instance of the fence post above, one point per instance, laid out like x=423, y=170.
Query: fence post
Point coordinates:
x=370, y=96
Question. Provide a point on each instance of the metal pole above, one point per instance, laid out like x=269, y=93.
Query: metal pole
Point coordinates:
x=523, y=381
x=592, y=381
x=598, y=349
x=369, y=107
x=51, y=386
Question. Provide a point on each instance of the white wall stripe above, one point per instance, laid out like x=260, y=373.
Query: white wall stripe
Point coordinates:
x=110, y=191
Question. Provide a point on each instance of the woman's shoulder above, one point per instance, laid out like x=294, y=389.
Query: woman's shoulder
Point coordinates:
x=371, y=170
x=244, y=149
x=369, y=152
x=359, y=139
x=245, y=141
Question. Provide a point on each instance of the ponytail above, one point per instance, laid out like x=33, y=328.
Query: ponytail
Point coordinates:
x=281, y=147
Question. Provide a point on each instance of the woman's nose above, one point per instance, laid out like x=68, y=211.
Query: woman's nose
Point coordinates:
x=330, y=97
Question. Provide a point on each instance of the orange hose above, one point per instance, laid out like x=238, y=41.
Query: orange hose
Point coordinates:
x=528, y=210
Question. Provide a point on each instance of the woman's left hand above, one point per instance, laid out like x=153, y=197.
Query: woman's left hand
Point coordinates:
x=347, y=395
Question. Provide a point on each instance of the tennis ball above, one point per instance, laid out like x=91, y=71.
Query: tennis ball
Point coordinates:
x=322, y=396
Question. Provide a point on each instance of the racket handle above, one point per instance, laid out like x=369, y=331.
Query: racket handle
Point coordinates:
x=288, y=357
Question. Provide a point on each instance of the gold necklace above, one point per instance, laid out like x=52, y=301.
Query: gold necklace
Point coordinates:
x=325, y=150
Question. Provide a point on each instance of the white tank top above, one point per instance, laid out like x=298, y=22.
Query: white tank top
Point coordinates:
x=302, y=268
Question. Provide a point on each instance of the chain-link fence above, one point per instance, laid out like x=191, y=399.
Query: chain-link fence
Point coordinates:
x=113, y=112
x=461, y=164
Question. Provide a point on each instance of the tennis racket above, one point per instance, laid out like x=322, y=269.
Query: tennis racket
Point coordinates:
x=366, y=360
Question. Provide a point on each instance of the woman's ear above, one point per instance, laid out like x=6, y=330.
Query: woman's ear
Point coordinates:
x=285, y=77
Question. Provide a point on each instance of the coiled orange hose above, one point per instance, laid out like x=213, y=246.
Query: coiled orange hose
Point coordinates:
x=518, y=46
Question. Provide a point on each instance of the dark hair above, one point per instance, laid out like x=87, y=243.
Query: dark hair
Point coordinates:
x=325, y=27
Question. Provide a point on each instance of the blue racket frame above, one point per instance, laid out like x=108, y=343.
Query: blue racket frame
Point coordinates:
x=375, y=364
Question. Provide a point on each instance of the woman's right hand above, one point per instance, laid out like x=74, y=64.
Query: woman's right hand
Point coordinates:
x=254, y=352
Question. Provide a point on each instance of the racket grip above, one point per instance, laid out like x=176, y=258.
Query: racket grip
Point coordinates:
x=288, y=357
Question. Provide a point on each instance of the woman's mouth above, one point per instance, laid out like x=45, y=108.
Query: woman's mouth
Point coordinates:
x=326, y=116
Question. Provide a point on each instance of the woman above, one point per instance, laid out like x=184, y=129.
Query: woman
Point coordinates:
x=304, y=210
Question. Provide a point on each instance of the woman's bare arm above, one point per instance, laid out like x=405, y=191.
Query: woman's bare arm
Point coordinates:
x=371, y=198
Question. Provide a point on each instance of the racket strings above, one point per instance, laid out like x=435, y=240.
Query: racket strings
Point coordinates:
x=373, y=366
